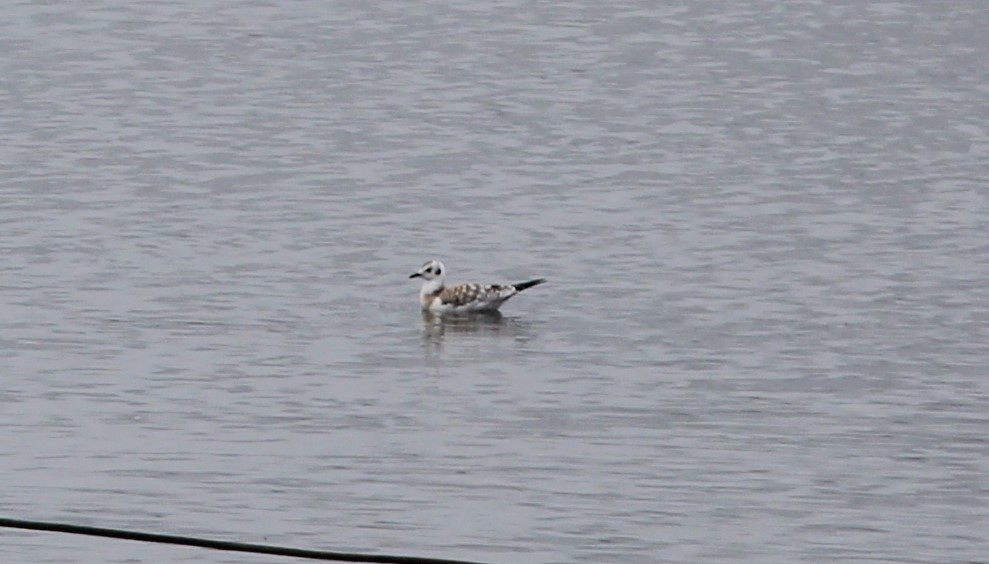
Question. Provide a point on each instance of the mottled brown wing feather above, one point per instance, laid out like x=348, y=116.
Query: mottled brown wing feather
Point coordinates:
x=463, y=294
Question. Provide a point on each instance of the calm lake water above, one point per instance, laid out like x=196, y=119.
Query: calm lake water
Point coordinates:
x=765, y=227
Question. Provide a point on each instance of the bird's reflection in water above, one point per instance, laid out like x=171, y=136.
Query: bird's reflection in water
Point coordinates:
x=437, y=327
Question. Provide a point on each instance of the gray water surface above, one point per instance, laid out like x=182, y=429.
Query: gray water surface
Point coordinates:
x=764, y=338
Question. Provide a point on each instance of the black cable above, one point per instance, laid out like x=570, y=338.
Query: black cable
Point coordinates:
x=221, y=545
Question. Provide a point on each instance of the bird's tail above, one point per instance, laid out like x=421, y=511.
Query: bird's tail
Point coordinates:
x=525, y=285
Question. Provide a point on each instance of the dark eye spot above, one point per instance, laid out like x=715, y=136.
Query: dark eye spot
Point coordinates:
x=438, y=272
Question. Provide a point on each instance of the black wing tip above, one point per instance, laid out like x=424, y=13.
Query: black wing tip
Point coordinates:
x=525, y=285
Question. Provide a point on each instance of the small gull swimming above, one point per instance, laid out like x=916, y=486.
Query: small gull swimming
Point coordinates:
x=436, y=297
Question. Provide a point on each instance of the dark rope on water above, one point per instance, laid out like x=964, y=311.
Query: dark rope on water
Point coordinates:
x=221, y=545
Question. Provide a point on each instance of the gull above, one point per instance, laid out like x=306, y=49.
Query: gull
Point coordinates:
x=436, y=297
